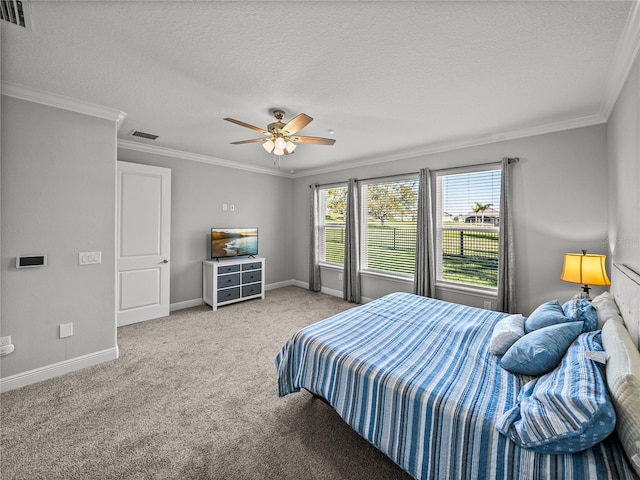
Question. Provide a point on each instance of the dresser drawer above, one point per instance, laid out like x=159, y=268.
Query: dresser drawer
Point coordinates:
x=253, y=289
x=228, y=269
x=228, y=294
x=232, y=280
x=229, y=280
x=251, y=266
x=250, y=277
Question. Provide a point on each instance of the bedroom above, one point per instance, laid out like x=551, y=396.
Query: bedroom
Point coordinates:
x=588, y=175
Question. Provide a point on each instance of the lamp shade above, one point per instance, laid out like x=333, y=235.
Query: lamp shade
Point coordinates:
x=269, y=145
x=584, y=268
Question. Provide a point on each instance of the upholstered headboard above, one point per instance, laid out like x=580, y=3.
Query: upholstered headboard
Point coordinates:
x=625, y=288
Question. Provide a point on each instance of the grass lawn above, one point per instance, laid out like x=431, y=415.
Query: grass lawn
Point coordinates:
x=468, y=257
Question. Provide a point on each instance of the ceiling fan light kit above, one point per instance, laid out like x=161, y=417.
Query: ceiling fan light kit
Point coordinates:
x=280, y=140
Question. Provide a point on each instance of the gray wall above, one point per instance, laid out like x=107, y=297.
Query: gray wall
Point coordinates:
x=624, y=174
x=198, y=191
x=559, y=205
x=58, y=198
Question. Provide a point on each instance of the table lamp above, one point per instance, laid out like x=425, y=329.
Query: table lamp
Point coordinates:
x=585, y=269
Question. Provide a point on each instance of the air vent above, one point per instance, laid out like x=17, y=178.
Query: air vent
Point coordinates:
x=138, y=133
x=16, y=12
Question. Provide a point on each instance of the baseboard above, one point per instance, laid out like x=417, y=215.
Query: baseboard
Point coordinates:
x=273, y=286
x=299, y=283
x=196, y=302
x=56, y=369
x=329, y=291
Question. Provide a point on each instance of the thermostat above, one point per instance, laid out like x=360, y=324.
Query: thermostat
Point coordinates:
x=29, y=261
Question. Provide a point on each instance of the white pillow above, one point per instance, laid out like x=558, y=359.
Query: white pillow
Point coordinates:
x=607, y=308
x=505, y=333
x=623, y=380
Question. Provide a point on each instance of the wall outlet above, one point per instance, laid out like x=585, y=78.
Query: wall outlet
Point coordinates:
x=66, y=330
x=232, y=207
x=5, y=341
x=487, y=305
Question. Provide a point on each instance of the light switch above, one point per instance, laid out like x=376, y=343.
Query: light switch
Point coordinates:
x=89, y=258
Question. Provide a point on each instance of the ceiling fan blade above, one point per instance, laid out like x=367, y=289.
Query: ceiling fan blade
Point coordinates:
x=254, y=140
x=297, y=123
x=242, y=124
x=313, y=140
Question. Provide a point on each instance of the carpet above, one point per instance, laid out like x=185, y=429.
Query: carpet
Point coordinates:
x=192, y=396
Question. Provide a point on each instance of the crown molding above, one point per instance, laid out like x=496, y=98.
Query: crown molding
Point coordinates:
x=622, y=62
x=458, y=144
x=170, y=152
x=59, y=101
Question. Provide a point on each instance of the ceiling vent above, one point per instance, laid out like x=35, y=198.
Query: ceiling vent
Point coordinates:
x=16, y=12
x=138, y=133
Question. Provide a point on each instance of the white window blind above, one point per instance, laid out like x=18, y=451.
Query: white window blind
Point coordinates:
x=389, y=231
x=468, y=226
x=332, y=224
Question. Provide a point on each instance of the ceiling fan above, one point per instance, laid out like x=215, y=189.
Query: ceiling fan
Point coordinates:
x=280, y=136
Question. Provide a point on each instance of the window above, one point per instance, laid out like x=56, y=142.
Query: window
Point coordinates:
x=467, y=223
x=389, y=232
x=333, y=202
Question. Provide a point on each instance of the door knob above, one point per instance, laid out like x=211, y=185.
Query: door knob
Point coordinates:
x=165, y=261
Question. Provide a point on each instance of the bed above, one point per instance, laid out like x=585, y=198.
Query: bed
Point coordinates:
x=414, y=376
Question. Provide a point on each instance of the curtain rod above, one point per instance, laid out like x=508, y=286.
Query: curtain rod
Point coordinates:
x=510, y=159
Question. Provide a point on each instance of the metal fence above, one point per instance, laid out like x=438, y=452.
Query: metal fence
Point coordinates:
x=468, y=256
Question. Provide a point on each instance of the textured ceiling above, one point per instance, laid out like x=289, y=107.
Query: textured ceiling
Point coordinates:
x=388, y=77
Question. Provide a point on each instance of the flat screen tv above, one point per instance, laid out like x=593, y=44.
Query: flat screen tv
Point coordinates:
x=234, y=242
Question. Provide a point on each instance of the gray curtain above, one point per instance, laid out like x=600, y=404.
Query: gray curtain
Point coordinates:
x=506, y=301
x=314, y=248
x=351, y=279
x=424, y=278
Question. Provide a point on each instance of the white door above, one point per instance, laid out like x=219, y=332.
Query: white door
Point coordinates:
x=143, y=242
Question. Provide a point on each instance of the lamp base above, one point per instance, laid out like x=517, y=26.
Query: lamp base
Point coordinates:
x=585, y=292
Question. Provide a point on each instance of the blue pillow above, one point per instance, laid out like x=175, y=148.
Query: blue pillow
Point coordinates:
x=567, y=410
x=549, y=313
x=542, y=350
x=581, y=310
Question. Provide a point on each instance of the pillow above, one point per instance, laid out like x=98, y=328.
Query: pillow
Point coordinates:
x=567, y=410
x=581, y=310
x=505, y=333
x=549, y=313
x=606, y=308
x=542, y=350
x=623, y=379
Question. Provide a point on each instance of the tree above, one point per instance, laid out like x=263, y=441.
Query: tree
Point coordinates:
x=390, y=200
x=481, y=208
x=407, y=200
x=336, y=199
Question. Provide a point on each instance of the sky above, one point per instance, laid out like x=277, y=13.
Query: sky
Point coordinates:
x=462, y=191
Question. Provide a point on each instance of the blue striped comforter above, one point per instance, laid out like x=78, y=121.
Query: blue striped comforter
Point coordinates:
x=414, y=376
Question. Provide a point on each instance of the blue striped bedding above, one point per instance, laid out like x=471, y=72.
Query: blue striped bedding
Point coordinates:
x=414, y=376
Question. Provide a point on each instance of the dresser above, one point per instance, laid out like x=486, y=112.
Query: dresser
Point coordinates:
x=232, y=280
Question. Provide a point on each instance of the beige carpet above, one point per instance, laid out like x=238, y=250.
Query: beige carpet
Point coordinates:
x=192, y=396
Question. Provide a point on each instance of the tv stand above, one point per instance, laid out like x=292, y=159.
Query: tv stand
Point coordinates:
x=226, y=281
